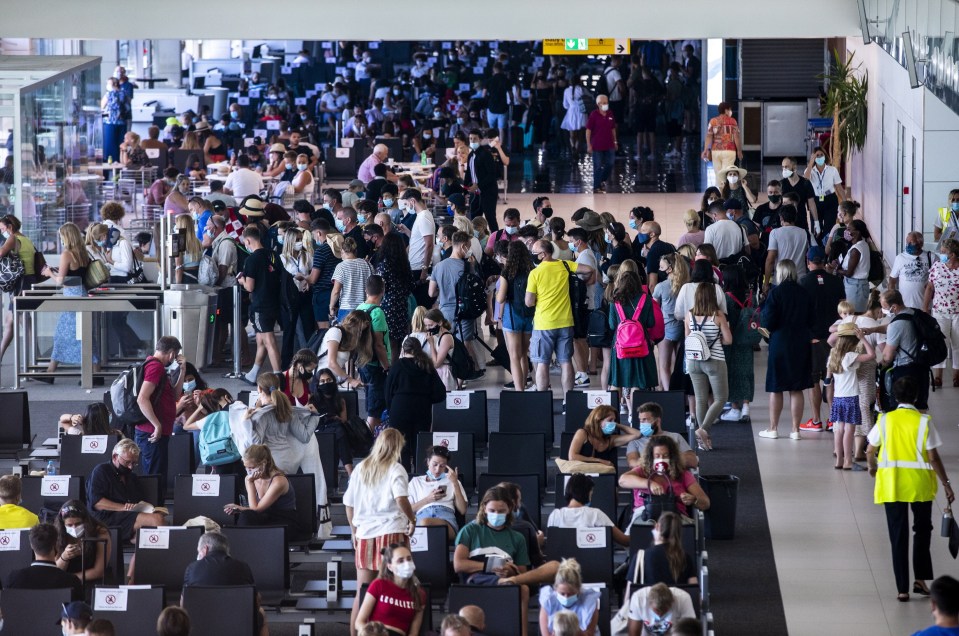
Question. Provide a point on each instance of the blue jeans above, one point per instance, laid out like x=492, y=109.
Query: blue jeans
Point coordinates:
x=602, y=166
x=153, y=457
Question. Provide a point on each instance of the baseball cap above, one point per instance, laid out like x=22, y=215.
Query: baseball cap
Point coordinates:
x=457, y=200
x=76, y=611
x=733, y=203
x=816, y=254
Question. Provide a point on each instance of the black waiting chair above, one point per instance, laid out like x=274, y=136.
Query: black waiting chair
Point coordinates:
x=15, y=428
x=240, y=620
x=304, y=486
x=11, y=559
x=80, y=454
x=463, y=459
x=330, y=458
x=33, y=612
x=140, y=615
x=591, y=547
x=674, y=409
x=201, y=495
x=150, y=489
x=501, y=603
x=527, y=412
x=341, y=163
x=266, y=551
x=431, y=554
x=578, y=408
x=180, y=461
x=116, y=572
x=34, y=499
x=472, y=420
x=530, y=486
x=165, y=566
x=565, y=441
x=604, y=493
x=518, y=453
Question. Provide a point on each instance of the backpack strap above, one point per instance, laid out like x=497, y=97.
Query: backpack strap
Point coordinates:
x=639, y=307
x=620, y=313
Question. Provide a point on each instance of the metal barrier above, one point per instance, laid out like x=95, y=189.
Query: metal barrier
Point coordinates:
x=237, y=329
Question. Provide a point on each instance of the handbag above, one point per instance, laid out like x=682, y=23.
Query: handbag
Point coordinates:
x=655, y=505
x=97, y=274
x=11, y=272
x=39, y=263
x=136, y=277
x=950, y=529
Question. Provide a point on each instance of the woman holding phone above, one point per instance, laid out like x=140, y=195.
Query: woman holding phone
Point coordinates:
x=438, y=496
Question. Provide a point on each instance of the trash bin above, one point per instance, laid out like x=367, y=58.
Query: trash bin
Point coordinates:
x=723, y=491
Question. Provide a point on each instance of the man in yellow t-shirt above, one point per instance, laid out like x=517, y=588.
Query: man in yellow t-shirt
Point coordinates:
x=548, y=291
x=12, y=515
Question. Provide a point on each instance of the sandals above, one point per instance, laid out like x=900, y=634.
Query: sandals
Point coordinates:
x=903, y=598
x=919, y=587
x=705, y=441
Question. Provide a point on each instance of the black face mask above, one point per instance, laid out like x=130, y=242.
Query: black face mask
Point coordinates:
x=305, y=375
x=775, y=198
x=124, y=471
x=328, y=389
x=546, y=212
x=433, y=331
x=370, y=246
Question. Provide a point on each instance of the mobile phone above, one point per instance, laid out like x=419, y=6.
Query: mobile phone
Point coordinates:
x=442, y=489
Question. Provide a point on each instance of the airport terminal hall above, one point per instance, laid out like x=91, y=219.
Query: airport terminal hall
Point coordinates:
x=504, y=319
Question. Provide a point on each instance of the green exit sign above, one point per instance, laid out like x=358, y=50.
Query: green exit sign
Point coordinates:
x=577, y=44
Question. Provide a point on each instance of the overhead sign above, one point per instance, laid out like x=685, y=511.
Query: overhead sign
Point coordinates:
x=584, y=46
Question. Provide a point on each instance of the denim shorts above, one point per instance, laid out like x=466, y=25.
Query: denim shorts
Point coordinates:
x=321, y=305
x=439, y=512
x=513, y=322
x=546, y=342
x=374, y=381
x=496, y=120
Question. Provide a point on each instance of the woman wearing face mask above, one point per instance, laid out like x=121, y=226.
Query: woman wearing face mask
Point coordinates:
x=74, y=524
x=556, y=228
x=601, y=435
x=437, y=344
x=836, y=244
x=96, y=421
x=395, y=598
x=270, y=495
x=620, y=249
x=854, y=267
x=735, y=186
x=942, y=297
x=827, y=186
x=18, y=243
x=424, y=144
x=329, y=405
x=296, y=300
x=195, y=168
x=349, y=341
x=709, y=377
x=438, y=496
x=188, y=262
x=490, y=538
x=394, y=266
x=579, y=514
x=277, y=164
x=295, y=381
x=666, y=561
x=661, y=469
x=510, y=310
x=665, y=293
x=631, y=300
x=193, y=383
x=412, y=387
x=209, y=402
x=710, y=196
x=568, y=594
x=303, y=183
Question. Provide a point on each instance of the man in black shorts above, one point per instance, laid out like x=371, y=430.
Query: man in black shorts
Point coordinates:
x=261, y=278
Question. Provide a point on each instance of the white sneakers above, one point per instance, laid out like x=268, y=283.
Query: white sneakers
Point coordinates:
x=795, y=436
x=775, y=435
x=581, y=379
x=732, y=415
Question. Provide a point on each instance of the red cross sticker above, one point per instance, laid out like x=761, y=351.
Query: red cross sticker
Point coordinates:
x=205, y=486
x=110, y=599
x=4, y=540
x=590, y=538
x=597, y=401
x=154, y=538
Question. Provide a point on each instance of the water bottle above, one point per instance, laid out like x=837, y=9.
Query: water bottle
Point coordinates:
x=51, y=468
x=946, y=522
x=110, y=160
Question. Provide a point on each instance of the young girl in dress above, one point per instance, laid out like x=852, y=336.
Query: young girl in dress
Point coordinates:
x=851, y=350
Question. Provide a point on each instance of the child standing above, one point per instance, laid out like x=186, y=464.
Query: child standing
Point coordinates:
x=851, y=350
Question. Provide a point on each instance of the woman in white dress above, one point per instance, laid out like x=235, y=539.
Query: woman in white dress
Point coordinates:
x=575, y=119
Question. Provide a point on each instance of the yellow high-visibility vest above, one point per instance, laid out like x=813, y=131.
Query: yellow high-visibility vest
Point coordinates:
x=904, y=472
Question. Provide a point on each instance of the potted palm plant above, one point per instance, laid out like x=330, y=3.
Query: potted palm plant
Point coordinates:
x=847, y=85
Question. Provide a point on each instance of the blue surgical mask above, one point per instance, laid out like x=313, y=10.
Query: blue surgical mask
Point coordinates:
x=943, y=257
x=645, y=429
x=474, y=145
x=301, y=166
x=632, y=224
x=361, y=218
x=609, y=241
x=6, y=235
x=475, y=233
x=387, y=203
x=573, y=248
x=511, y=230
x=496, y=519
x=189, y=386
x=459, y=121
x=340, y=226
x=820, y=161
x=435, y=477
x=913, y=250
x=100, y=243
x=206, y=233
x=449, y=210
x=955, y=206
x=289, y=166
x=642, y=238
x=609, y=428
x=280, y=240
x=567, y=601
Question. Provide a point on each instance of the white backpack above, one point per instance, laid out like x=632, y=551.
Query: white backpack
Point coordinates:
x=696, y=345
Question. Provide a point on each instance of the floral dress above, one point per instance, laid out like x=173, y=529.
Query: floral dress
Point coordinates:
x=67, y=347
x=395, y=301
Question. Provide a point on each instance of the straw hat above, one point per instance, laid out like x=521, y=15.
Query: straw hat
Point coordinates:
x=721, y=176
x=280, y=148
x=252, y=206
x=846, y=329
x=202, y=125
x=223, y=170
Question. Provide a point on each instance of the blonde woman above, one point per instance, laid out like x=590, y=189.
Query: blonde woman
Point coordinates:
x=288, y=433
x=567, y=594
x=296, y=315
x=378, y=508
x=188, y=263
x=72, y=268
x=96, y=241
x=349, y=343
x=694, y=235
x=271, y=498
x=665, y=292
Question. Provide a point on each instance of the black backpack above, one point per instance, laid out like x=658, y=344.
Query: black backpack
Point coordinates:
x=577, y=301
x=470, y=295
x=598, y=333
x=517, y=297
x=932, y=344
x=123, y=392
x=602, y=86
x=461, y=362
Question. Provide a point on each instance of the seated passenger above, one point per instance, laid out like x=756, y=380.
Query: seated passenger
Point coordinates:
x=487, y=550
x=579, y=514
x=270, y=495
x=114, y=492
x=567, y=593
x=96, y=421
x=82, y=542
x=651, y=423
x=438, y=495
x=43, y=574
x=660, y=472
x=523, y=523
x=654, y=610
x=666, y=561
x=395, y=598
x=327, y=402
x=12, y=515
x=599, y=438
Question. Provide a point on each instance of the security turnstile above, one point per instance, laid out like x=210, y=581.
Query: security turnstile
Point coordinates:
x=189, y=313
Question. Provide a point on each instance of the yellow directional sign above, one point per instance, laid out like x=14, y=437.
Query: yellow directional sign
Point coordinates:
x=584, y=46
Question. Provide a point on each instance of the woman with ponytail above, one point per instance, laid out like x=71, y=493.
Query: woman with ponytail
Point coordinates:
x=270, y=495
x=412, y=387
x=287, y=431
x=666, y=561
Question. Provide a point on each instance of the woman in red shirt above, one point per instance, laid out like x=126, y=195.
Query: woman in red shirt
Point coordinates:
x=296, y=379
x=395, y=597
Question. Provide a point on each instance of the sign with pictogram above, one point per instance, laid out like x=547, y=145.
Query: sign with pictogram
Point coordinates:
x=9, y=540
x=206, y=485
x=458, y=400
x=110, y=599
x=55, y=486
x=449, y=440
x=598, y=398
x=96, y=444
x=155, y=539
x=590, y=538
x=419, y=542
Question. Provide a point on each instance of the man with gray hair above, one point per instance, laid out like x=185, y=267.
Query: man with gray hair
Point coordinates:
x=114, y=495
x=910, y=271
x=215, y=567
x=380, y=154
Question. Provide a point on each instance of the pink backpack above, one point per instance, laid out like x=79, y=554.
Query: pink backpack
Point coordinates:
x=658, y=331
x=631, y=339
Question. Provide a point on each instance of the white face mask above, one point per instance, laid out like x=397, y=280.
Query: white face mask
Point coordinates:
x=75, y=531
x=404, y=570
x=604, y=107
x=787, y=173
x=733, y=178
x=886, y=312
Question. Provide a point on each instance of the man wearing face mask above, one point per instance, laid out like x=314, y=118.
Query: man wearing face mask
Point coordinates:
x=654, y=610
x=601, y=141
x=725, y=234
x=795, y=183
x=654, y=248
x=543, y=210
x=902, y=338
x=43, y=573
x=912, y=266
x=349, y=228
x=768, y=212
x=509, y=231
x=354, y=193
x=946, y=223
x=157, y=401
x=650, y=424
x=113, y=491
x=481, y=176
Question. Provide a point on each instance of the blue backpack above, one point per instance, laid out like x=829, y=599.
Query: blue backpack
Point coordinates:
x=216, y=441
